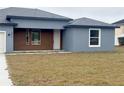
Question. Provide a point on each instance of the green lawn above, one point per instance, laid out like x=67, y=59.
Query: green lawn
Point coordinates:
x=102, y=68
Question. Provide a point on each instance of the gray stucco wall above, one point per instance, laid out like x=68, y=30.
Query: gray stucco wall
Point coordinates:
x=49, y=24
x=77, y=40
x=67, y=42
x=9, y=39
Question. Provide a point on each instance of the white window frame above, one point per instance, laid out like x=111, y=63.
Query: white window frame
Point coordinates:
x=99, y=43
x=27, y=35
x=32, y=41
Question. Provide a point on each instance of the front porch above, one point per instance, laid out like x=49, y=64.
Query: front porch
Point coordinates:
x=26, y=39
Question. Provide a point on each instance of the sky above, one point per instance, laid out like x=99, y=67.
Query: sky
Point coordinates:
x=104, y=10
x=106, y=14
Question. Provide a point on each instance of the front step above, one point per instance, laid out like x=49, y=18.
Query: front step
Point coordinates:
x=37, y=52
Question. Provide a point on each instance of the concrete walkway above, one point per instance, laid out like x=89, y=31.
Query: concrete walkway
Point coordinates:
x=38, y=52
x=4, y=75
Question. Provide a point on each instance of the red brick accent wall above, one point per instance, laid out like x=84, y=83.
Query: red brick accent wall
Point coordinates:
x=20, y=40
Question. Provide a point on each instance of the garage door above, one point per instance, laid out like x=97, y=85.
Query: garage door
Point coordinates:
x=2, y=42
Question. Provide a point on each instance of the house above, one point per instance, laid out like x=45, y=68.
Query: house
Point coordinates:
x=119, y=32
x=34, y=29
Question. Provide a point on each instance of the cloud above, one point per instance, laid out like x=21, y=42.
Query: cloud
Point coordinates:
x=106, y=14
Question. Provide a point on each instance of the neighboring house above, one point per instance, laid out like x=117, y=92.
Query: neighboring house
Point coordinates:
x=34, y=29
x=119, y=32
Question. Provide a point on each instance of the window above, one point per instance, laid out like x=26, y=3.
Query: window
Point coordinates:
x=94, y=37
x=27, y=37
x=36, y=38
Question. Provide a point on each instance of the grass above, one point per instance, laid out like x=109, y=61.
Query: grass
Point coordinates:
x=102, y=68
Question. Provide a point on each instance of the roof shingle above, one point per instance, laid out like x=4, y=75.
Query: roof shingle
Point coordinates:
x=27, y=12
x=120, y=22
x=89, y=22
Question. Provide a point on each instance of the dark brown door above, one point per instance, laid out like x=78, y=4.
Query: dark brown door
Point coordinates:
x=47, y=39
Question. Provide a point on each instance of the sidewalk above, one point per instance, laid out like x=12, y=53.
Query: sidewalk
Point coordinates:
x=4, y=75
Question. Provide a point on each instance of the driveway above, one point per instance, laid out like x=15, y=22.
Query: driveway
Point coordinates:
x=4, y=75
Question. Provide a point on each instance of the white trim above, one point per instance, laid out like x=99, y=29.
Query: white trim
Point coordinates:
x=57, y=40
x=4, y=40
x=99, y=45
x=38, y=41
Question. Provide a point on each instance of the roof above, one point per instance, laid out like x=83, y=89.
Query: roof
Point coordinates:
x=120, y=22
x=27, y=12
x=87, y=22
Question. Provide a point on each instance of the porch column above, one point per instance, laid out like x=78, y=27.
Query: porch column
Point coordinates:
x=56, y=44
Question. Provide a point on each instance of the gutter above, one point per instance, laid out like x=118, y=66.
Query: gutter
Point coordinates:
x=37, y=18
x=9, y=24
x=80, y=26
